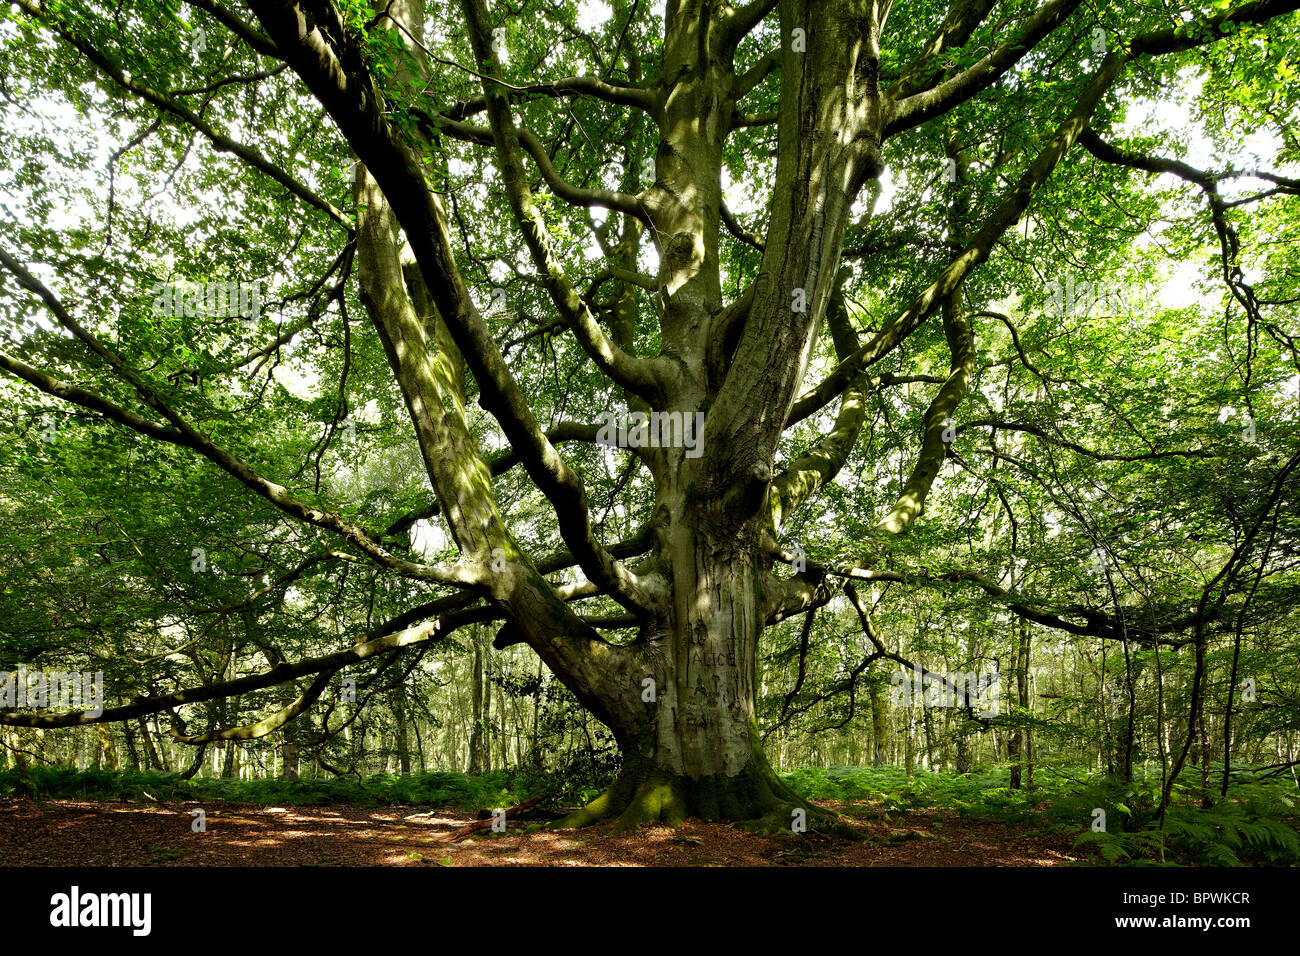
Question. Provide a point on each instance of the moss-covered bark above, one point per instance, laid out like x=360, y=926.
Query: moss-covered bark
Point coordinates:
x=756, y=798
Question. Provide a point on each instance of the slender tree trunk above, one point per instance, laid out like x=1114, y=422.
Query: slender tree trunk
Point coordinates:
x=16, y=749
x=500, y=722
x=535, y=747
x=403, y=742
x=1228, y=708
x=909, y=757
x=156, y=757
x=878, y=728
x=1017, y=745
x=1206, y=799
x=477, y=756
x=419, y=745
x=106, y=751
x=1127, y=737
x=230, y=761
x=1193, y=721
x=128, y=739
x=288, y=759
x=927, y=726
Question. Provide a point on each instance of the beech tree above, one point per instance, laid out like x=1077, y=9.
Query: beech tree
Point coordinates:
x=496, y=245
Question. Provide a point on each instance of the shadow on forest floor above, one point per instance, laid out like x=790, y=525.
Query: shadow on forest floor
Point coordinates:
x=60, y=832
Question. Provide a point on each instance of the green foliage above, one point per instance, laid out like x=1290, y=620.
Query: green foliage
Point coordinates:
x=1257, y=824
x=985, y=794
x=446, y=790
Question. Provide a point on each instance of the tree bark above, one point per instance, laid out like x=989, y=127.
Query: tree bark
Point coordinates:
x=288, y=759
x=479, y=693
x=1017, y=745
x=230, y=761
x=878, y=728
x=403, y=745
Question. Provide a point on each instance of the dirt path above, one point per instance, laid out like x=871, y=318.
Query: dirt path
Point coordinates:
x=54, y=833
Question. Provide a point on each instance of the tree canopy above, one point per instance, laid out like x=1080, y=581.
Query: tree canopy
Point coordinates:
x=731, y=360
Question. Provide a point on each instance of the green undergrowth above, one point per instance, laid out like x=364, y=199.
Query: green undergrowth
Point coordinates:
x=1255, y=825
x=889, y=790
x=443, y=790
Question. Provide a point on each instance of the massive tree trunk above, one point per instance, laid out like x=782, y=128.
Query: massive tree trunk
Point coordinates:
x=687, y=726
x=695, y=749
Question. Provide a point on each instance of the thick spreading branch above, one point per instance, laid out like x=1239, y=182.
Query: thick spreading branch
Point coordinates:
x=936, y=428
x=312, y=40
x=1003, y=217
x=640, y=376
x=385, y=640
x=917, y=108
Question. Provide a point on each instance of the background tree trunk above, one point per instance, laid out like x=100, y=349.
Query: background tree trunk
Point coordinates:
x=288, y=758
x=879, y=725
x=480, y=702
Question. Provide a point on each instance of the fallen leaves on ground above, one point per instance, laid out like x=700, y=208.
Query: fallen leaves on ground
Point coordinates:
x=59, y=832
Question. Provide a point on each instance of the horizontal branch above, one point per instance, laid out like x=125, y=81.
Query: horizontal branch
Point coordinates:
x=1042, y=433
x=385, y=640
x=1097, y=623
x=562, y=188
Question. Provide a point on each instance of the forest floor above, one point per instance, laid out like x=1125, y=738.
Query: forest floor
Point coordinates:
x=65, y=832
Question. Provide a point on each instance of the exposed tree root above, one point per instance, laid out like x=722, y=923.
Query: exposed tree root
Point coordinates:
x=756, y=799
